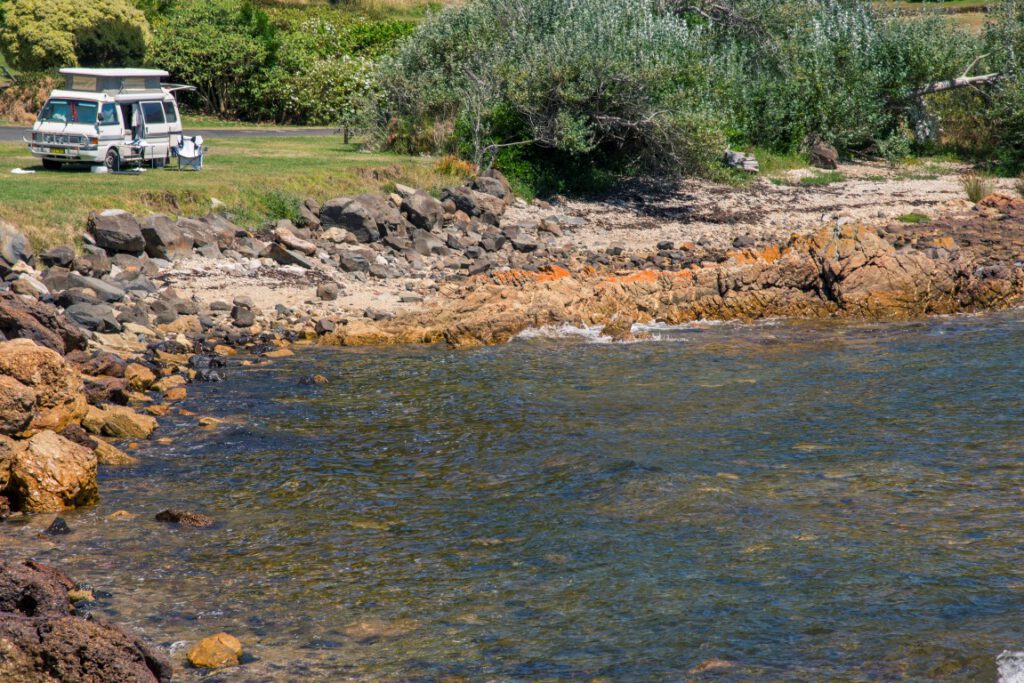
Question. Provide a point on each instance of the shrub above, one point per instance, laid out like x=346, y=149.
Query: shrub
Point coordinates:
x=897, y=147
x=37, y=35
x=977, y=186
x=1005, y=41
x=219, y=46
x=454, y=166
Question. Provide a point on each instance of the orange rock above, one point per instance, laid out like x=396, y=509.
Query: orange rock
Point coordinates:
x=215, y=652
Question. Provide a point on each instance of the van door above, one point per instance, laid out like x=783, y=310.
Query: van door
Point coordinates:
x=156, y=132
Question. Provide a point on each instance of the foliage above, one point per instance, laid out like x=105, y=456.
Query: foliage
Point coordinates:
x=219, y=46
x=454, y=166
x=897, y=147
x=575, y=80
x=278, y=205
x=977, y=186
x=913, y=218
x=38, y=35
x=1005, y=40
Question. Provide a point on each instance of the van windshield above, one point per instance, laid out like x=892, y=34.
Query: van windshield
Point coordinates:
x=69, y=111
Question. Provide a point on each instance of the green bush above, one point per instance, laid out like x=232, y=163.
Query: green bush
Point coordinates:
x=219, y=46
x=573, y=82
x=38, y=35
x=1005, y=41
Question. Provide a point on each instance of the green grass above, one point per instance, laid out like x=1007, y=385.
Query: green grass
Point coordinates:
x=819, y=179
x=212, y=122
x=913, y=218
x=258, y=179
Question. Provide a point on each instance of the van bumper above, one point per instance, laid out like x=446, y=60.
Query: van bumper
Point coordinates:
x=69, y=153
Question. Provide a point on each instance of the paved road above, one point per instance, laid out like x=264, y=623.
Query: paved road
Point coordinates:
x=15, y=134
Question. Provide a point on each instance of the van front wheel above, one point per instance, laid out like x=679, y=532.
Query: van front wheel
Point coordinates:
x=52, y=164
x=112, y=161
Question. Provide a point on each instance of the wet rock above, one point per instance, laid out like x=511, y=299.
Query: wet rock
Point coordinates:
x=165, y=239
x=423, y=211
x=58, y=527
x=42, y=642
x=50, y=474
x=76, y=434
x=313, y=379
x=62, y=256
x=30, y=372
x=325, y=326
x=215, y=652
x=372, y=630
x=117, y=231
x=39, y=322
x=110, y=455
x=185, y=518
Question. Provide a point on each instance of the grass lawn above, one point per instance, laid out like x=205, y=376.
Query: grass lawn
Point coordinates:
x=259, y=180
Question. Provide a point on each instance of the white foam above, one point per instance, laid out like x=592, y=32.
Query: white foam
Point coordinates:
x=1010, y=666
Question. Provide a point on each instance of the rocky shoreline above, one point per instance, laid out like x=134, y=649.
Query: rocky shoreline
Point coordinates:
x=103, y=341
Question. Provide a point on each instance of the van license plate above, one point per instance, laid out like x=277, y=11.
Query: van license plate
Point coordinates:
x=57, y=150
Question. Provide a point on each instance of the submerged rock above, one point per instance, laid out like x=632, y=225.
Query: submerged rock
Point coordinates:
x=185, y=518
x=215, y=652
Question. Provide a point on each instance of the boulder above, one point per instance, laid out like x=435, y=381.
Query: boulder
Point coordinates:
x=139, y=377
x=284, y=232
x=493, y=182
x=29, y=286
x=821, y=154
x=288, y=257
x=185, y=518
x=202, y=234
x=164, y=238
x=216, y=651
x=118, y=422
x=350, y=215
x=40, y=322
x=353, y=262
x=42, y=641
x=328, y=291
x=117, y=231
x=95, y=263
x=110, y=455
x=62, y=256
x=476, y=204
x=104, y=290
x=50, y=473
x=14, y=246
x=58, y=397
x=95, y=317
x=423, y=211
x=8, y=449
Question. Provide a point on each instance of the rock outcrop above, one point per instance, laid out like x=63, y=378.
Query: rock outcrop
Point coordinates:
x=43, y=641
x=845, y=272
x=40, y=390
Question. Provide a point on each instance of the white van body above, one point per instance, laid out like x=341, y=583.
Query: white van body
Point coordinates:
x=108, y=116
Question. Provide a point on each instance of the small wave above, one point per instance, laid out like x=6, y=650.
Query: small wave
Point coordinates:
x=590, y=334
x=1010, y=666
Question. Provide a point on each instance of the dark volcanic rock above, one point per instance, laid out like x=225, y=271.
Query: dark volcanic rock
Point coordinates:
x=423, y=211
x=95, y=317
x=42, y=641
x=117, y=231
x=42, y=323
x=351, y=215
x=14, y=246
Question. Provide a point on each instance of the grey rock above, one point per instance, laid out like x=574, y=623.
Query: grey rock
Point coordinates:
x=377, y=314
x=95, y=264
x=351, y=215
x=29, y=286
x=744, y=242
x=353, y=262
x=210, y=251
x=95, y=317
x=427, y=244
x=201, y=233
x=14, y=246
x=243, y=316
x=56, y=278
x=325, y=326
x=423, y=211
x=288, y=257
x=164, y=238
x=524, y=244
x=104, y=290
x=117, y=231
x=477, y=204
x=62, y=256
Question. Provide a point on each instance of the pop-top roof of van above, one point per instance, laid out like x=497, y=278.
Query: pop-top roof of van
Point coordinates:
x=116, y=73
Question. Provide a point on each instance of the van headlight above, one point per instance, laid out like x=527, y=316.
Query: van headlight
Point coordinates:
x=91, y=143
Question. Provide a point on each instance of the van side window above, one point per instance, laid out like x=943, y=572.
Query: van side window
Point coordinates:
x=172, y=116
x=153, y=112
x=110, y=115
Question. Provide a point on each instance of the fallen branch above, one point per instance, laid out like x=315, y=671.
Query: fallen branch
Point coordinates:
x=955, y=83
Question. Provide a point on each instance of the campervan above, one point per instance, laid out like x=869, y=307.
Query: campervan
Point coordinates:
x=113, y=117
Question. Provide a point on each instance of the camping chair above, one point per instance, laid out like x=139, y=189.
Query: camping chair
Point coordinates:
x=189, y=152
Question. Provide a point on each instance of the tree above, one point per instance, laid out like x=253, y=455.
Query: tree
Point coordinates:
x=37, y=35
x=219, y=46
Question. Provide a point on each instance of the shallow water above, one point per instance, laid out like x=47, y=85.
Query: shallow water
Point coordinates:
x=804, y=502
